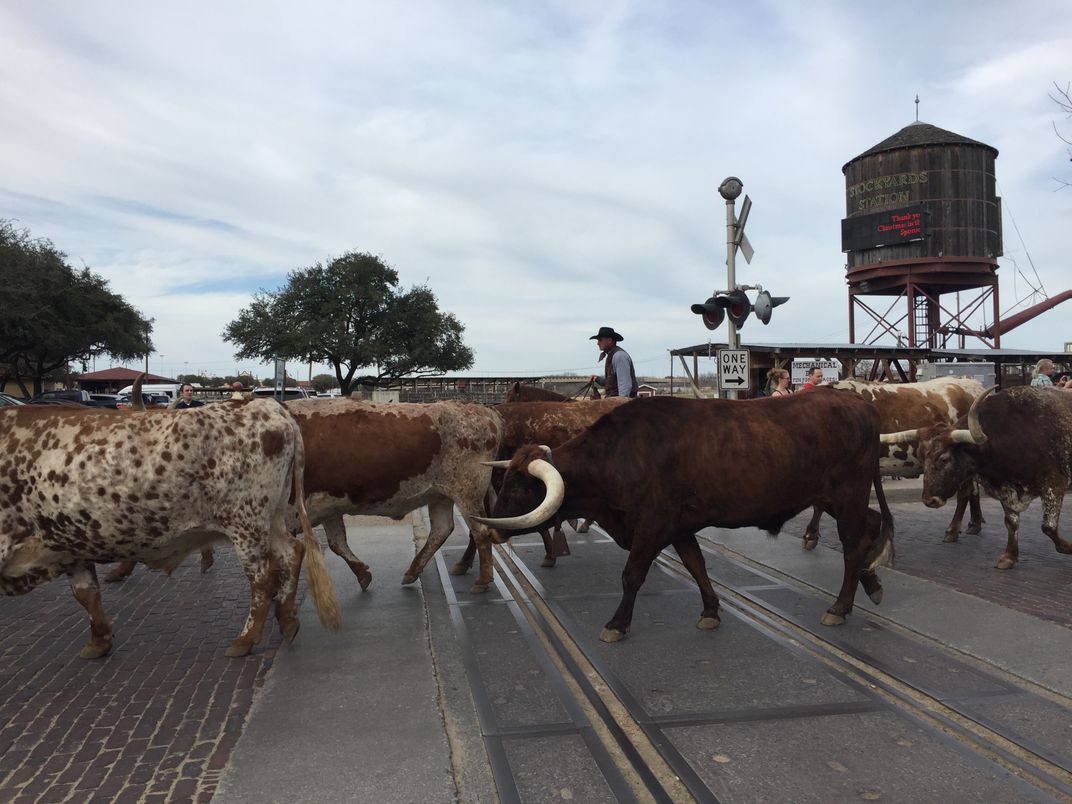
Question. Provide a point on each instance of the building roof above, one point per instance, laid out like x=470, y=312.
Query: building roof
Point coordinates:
x=918, y=134
x=119, y=373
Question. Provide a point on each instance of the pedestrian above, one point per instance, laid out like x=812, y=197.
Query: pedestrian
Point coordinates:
x=779, y=381
x=1040, y=376
x=236, y=390
x=619, y=377
x=813, y=380
x=186, y=398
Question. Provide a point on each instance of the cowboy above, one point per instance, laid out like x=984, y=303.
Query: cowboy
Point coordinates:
x=619, y=378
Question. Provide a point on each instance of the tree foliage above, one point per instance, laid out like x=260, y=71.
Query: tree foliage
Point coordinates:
x=351, y=314
x=54, y=315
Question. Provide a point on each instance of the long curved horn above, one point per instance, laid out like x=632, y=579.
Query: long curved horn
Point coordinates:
x=556, y=491
x=496, y=464
x=974, y=434
x=136, y=402
x=901, y=437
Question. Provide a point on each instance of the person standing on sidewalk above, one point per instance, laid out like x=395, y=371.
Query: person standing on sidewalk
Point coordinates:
x=814, y=379
x=186, y=398
x=1040, y=377
x=619, y=377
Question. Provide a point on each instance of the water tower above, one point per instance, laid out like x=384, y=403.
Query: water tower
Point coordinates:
x=922, y=235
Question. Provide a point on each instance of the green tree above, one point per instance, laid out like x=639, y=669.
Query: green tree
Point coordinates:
x=54, y=315
x=324, y=382
x=351, y=315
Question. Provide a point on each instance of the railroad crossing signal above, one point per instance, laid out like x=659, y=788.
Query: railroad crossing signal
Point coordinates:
x=765, y=304
x=736, y=306
x=733, y=369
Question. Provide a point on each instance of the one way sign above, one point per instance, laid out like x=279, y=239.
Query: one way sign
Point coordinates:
x=733, y=373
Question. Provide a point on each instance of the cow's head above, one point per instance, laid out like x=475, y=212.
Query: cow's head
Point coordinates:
x=949, y=454
x=531, y=492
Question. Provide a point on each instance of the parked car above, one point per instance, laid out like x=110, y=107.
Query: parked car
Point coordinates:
x=288, y=393
x=105, y=400
x=149, y=400
x=7, y=399
x=74, y=395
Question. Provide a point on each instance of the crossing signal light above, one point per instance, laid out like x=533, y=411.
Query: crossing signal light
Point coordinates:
x=737, y=306
x=710, y=312
x=765, y=304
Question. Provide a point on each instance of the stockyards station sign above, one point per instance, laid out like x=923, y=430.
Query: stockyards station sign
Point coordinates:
x=884, y=228
x=884, y=191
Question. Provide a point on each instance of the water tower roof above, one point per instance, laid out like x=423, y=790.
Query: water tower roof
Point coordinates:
x=916, y=134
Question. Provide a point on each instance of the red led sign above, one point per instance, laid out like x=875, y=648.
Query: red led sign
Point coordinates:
x=884, y=228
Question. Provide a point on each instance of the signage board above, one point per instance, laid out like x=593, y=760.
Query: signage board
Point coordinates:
x=887, y=228
x=798, y=375
x=280, y=377
x=733, y=373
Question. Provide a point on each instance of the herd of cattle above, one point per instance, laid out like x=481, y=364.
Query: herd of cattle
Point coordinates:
x=82, y=487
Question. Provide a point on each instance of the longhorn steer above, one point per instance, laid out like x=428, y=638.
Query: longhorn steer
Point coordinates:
x=918, y=404
x=85, y=486
x=548, y=423
x=1018, y=445
x=389, y=459
x=657, y=470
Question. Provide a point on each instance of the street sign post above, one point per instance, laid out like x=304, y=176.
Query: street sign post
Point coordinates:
x=733, y=370
x=280, y=377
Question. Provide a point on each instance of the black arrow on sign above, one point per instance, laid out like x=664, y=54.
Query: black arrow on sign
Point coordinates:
x=734, y=380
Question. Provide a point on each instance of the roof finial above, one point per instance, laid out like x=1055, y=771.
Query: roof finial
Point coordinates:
x=917, y=107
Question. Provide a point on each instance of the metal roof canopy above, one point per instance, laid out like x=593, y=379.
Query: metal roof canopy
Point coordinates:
x=888, y=357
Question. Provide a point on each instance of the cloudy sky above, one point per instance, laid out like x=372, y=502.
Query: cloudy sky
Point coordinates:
x=546, y=167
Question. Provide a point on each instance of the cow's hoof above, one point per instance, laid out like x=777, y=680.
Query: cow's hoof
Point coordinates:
x=810, y=542
x=611, y=635
x=548, y=562
x=290, y=630
x=207, y=560
x=364, y=578
x=478, y=588
x=238, y=648
x=951, y=536
x=94, y=650
x=708, y=623
x=875, y=595
x=974, y=530
x=408, y=578
x=460, y=568
x=1005, y=563
x=832, y=619
x=583, y=528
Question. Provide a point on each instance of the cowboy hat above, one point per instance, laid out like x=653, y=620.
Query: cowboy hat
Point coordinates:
x=607, y=332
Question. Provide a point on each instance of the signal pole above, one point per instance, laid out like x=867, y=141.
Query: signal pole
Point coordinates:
x=730, y=189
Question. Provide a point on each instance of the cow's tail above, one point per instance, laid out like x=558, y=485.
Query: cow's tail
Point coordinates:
x=882, y=551
x=316, y=570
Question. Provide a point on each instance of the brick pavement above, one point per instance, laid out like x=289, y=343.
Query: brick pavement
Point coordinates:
x=154, y=721
x=1040, y=584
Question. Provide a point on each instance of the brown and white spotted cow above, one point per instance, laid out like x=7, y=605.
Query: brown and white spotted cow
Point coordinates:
x=1017, y=444
x=82, y=486
x=904, y=406
x=389, y=459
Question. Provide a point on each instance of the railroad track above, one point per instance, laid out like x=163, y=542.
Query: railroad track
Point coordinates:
x=970, y=733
